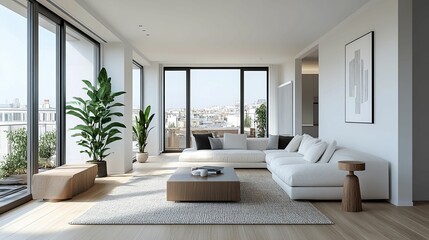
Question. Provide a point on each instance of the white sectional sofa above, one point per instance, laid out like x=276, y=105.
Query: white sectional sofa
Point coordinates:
x=252, y=157
x=299, y=178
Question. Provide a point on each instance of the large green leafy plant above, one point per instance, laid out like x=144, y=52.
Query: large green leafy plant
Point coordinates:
x=97, y=129
x=142, y=129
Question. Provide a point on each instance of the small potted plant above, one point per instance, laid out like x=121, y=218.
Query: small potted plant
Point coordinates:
x=141, y=130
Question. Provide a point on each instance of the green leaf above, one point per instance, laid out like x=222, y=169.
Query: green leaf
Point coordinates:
x=88, y=84
x=114, y=124
x=116, y=105
x=78, y=115
x=117, y=94
x=112, y=139
x=84, y=128
x=80, y=100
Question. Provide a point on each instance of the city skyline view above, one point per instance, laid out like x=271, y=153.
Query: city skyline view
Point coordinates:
x=208, y=84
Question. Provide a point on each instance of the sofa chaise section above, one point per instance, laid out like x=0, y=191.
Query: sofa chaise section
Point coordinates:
x=324, y=181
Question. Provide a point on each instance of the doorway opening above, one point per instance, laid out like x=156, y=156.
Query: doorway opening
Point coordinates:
x=310, y=93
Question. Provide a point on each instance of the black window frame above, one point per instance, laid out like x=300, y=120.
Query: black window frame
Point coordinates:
x=188, y=98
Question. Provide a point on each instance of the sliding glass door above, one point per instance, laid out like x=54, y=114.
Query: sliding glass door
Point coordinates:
x=175, y=115
x=255, y=103
x=48, y=79
x=13, y=101
x=33, y=70
x=81, y=63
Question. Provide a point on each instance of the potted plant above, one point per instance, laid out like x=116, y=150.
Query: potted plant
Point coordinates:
x=141, y=131
x=97, y=129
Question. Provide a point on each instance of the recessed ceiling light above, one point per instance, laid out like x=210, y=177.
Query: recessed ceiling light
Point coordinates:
x=148, y=34
x=140, y=25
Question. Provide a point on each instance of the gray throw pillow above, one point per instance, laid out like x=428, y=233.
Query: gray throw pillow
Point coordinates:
x=234, y=141
x=273, y=142
x=215, y=143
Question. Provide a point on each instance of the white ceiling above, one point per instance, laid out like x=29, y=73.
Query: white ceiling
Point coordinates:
x=220, y=31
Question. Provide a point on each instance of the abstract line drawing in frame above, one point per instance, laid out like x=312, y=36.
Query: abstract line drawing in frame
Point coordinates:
x=360, y=80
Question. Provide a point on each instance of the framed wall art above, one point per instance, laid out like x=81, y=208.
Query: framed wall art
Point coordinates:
x=360, y=80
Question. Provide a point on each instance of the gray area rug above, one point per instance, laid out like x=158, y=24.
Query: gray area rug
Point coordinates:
x=142, y=200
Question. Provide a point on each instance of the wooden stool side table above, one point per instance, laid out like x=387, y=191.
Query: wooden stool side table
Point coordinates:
x=351, y=201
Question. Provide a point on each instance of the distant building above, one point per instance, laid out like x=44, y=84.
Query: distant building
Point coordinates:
x=13, y=116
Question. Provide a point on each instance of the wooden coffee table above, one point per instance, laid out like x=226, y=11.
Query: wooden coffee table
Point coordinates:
x=182, y=186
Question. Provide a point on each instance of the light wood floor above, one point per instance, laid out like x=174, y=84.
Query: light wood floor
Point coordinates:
x=49, y=220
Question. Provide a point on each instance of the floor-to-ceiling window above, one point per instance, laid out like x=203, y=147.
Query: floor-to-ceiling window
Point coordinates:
x=175, y=109
x=81, y=64
x=213, y=100
x=48, y=79
x=32, y=92
x=137, y=101
x=13, y=100
x=255, y=103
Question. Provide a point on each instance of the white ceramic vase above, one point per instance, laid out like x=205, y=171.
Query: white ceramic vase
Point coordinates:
x=142, y=157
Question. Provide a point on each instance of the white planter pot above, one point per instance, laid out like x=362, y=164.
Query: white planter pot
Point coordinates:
x=142, y=157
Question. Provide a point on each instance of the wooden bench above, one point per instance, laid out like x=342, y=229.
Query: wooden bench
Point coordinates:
x=63, y=182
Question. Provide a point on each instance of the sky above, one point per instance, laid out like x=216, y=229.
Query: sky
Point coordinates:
x=13, y=56
x=213, y=87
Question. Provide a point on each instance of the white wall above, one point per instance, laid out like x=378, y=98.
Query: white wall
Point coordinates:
x=274, y=76
x=292, y=71
x=117, y=59
x=382, y=137
x=153, y=96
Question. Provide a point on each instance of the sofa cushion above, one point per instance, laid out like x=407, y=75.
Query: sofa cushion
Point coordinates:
x=215, y=143
x=306, y=143
x=294, y=144
x=270, y=155
x=347, y=154
x=234, y=141
x=284, y=141
x=273, y=142
x=276, y=162
x=202, y=141
x=315, y=151
x=310, y=175
x=328, y=152
x=227, y=156
x=257, y=144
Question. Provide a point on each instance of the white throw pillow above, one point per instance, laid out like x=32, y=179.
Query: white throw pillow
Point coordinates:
x=234, y=141
x=329, y=152
x=315, y=151
x=306, y=143
x=294, y=144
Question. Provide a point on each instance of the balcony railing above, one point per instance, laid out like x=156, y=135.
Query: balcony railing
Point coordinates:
x=16, y=184
x=175, y=138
